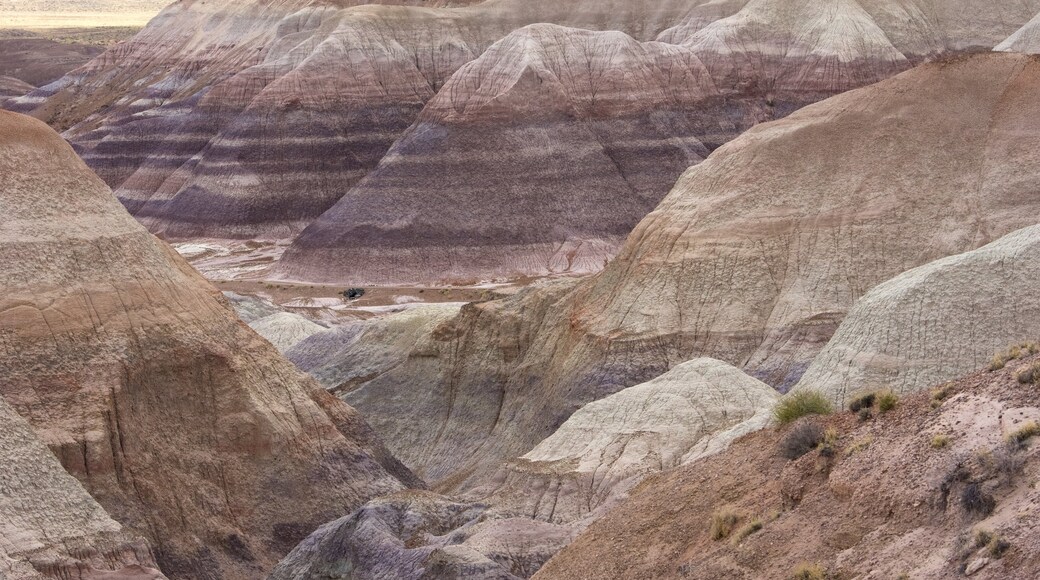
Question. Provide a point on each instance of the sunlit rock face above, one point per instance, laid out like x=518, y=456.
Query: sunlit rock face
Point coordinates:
x=934, y=323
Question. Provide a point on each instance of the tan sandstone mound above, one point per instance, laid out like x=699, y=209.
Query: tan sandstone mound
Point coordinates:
x=754, y=259
x=1025, y=39
x=50, y=527
x=186, y=426
x=606, y=447
x=934, y=323
x=285, y=330
x=940, y=487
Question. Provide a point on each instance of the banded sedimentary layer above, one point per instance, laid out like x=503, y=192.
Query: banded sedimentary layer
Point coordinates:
x=278, y=108
x=187, y=427
x=555, y=142
x=258, y=125
x=741, y=262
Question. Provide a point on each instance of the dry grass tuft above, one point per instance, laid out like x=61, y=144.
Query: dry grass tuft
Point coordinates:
x=801, y=404
x=940, y=441
x=808, y=571
x=723, y=522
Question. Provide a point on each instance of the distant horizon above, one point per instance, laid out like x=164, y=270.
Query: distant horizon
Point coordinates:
x=43, y=15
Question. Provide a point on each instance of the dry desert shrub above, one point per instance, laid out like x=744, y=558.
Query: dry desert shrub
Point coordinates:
x=865, y=401
x=801, y=439
x=940, y=441
x=753, y=526
x=1030, y=375
x=808, y=571
x=1024, y=433
x=1018, y=351
x=976, y=501
x=801, y=404
x=722, y=523
x=887, y=400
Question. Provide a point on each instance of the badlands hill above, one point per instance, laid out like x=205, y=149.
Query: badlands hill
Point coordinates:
x=932, y=490
x=577, y=135
x=50, y=524
x=187, y=427
x=934, y=323
x=741, y=262
x=273, y=112
x=538, y=503
x=1026, y=39
x=278, y=111
x=12, y=87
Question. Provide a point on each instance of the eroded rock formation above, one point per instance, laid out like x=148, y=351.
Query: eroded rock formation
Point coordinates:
x=417, y=535
x=743, y=262
x=278, y=110
x=50, y=527
x=934, y=323
x=608, y=446
x=187, y=427
x=930, y=490
x=274, y=112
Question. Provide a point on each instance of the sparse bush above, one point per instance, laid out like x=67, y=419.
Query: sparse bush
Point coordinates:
x=940, y=394
x=976, y=500
x=808, y=571
x=1001, y=359
x=983, y=537
x=747, y=529
x=865, y=415
x=887, y=400
x=862, y=402
x=1006, y=462
x=1024, y=433
x=802, y=439
x=940, y=441
x=829, y=446
x=997, y=547
x=722, y=523
x=1029, y=375
x=800, y=404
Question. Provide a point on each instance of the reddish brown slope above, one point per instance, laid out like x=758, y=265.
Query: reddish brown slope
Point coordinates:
x=890, y=500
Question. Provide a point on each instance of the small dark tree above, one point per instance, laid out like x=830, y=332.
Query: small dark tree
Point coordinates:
x=354, y=293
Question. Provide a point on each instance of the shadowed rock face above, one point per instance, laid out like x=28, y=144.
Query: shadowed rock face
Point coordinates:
x=934, y=323
x=420, y=535
x=742, y=261
x=181, y=422
x=50, y=527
